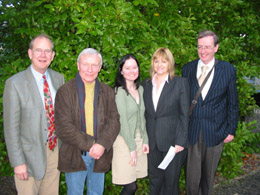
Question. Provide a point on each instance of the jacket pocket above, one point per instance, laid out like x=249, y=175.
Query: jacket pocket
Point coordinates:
x=27, y=147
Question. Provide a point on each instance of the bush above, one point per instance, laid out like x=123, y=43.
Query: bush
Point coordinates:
x=118, y=27
x=245, y=141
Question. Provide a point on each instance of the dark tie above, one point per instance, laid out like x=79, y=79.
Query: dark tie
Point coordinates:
x=52, y=139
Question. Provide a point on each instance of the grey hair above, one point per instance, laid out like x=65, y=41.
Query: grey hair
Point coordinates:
x=90, y=51
x=41, y=36
x=206, y=33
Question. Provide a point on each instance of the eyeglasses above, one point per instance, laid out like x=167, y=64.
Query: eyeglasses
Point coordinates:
x=207, y=48
x=92, y=66
x=39, y=51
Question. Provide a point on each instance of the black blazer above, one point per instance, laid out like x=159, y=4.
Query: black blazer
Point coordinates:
x=217, y=115
x=168, y=125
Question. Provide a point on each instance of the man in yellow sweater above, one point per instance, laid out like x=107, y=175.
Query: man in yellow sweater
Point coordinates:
x=87, y=122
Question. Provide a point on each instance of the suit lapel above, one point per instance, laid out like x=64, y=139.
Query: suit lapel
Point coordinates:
x=150, y=95
x=217, y=76
x=54, y=80
x=194, y=80
x=163, y=97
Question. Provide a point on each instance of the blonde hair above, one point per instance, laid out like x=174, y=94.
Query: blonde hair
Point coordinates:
x=166, y=54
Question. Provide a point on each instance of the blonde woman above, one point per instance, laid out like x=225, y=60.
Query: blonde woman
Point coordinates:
x=166, y=98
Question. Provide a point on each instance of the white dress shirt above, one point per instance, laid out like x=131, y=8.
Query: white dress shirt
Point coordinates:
x=40, y=83
x=209, y=81
x=157, y=94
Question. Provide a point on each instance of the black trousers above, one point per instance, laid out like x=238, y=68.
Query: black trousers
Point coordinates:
x=202, y=162
x=164, y=182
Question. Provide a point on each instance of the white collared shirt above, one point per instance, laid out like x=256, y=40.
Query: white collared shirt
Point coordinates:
x=157, y=94
x=40, y=83
x=209, y=81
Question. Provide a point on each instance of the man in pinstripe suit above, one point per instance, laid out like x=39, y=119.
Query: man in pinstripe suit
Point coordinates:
x=215, y=116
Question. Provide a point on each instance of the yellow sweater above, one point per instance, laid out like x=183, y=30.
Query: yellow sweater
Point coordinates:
x=89, y=107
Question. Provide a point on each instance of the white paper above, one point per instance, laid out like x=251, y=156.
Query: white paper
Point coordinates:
x=168, y=158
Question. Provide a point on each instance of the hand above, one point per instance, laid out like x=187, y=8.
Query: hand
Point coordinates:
x=229, y=138
x=133, y=158
x=145, y=148
x=21, y=172
x=178, y=148
x=96, y=151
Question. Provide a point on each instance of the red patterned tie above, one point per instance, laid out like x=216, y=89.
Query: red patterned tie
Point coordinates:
x=52, y=139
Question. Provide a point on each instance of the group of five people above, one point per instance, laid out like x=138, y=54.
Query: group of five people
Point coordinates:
x=131, y=126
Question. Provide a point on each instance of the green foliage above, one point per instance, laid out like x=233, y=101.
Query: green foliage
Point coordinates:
x=182, y=183
x=63, y=186
x=245, y=142
x=245, y=90
x=118, y=27
x=5, y=168
x=111, y=188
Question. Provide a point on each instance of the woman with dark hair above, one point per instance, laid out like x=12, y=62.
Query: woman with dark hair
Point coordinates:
x=131, y=146
x=167, y=101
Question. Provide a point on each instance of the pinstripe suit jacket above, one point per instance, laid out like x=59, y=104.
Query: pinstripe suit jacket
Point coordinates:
x=168, y=125
x=217, y=115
